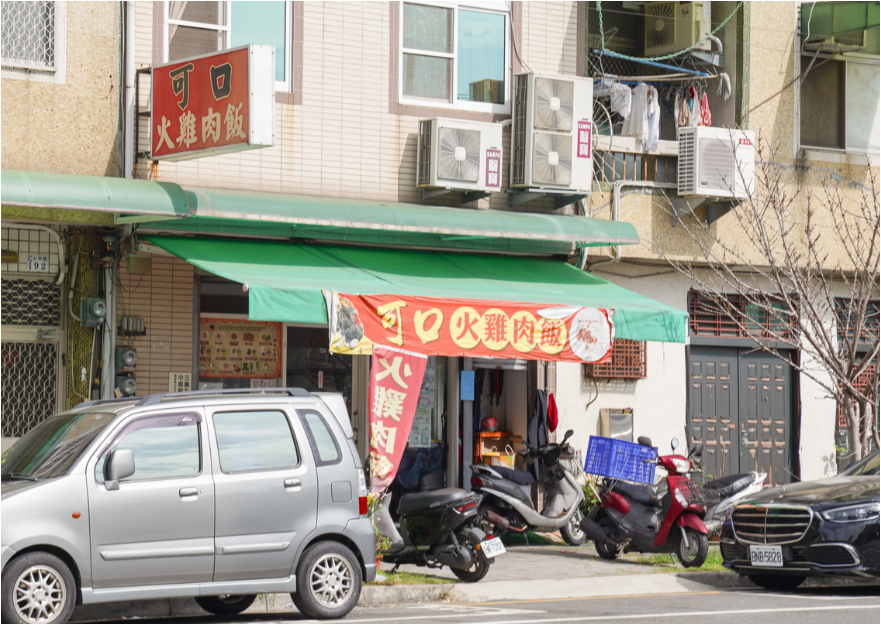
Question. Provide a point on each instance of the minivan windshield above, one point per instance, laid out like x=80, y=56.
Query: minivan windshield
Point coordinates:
x=51, y=448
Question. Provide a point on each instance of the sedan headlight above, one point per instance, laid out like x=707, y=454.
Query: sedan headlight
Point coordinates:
x=849, y=514
x=682, y=466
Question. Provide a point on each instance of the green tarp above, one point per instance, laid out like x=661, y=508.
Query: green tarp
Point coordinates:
x=285, y=280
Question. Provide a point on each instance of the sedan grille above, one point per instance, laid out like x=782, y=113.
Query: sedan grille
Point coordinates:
x=731, y=551
x=832, y=555
x=772, y=525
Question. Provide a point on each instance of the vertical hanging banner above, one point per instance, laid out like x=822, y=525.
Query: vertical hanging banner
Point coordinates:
x=395, y=382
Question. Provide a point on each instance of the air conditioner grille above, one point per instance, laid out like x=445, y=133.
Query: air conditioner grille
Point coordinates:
x=458, y=155
x=660, y=24
x=718, y=166
x=554, y=102
x=552, y=159
x=518, y=140
x=685, y=175
x=423, y=174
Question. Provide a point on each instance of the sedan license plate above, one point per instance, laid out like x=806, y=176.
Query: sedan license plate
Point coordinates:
x=771, y=555
x=492, y=547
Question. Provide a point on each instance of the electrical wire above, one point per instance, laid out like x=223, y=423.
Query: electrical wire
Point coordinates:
x=514, y=39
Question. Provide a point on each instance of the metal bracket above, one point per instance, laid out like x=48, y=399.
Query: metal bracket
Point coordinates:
x=715, y=210
x=139, y=113
x=466, y=197
x=561, y=198
x=684, y=206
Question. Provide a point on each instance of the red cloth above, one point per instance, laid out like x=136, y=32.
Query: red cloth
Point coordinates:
x=552, y=413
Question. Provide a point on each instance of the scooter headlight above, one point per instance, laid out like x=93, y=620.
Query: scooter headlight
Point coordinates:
x=682, y=466
x=680, y=498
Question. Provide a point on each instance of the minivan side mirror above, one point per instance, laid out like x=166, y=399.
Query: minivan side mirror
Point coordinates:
x=645, y=441
x=119, y=465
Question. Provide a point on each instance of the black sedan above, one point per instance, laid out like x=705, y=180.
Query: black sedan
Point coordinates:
x=823, y=528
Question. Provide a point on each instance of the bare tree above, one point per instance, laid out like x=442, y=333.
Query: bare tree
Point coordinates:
x=798, y=270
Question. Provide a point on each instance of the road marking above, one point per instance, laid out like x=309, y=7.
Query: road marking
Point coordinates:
x=618, y=617
x=666, y=594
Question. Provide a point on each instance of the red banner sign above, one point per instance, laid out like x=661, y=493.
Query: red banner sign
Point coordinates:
x=213, y=104
x=395, y=381
x=476, y=328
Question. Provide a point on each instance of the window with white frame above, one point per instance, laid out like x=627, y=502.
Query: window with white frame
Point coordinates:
x=840, y=94
x=196, y=28
x=456, y=54
x=29, y=35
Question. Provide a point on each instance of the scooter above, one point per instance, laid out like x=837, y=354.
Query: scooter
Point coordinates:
x=664, y=519
x=507, y=504
x=723, y=494
x=439, y=528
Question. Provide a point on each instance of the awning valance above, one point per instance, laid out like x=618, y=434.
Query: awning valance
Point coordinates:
x=285, y=280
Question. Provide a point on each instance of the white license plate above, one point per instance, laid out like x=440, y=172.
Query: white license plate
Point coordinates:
x=492, y=547
x=771, y=555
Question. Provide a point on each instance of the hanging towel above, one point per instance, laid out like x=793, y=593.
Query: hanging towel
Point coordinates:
x=552, y=413
x=636, y=125
x=706, y=118
x=653, y=122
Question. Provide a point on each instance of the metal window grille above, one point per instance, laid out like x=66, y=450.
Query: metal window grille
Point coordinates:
x=614, y=166
x=30, y=384
x=29, y=35
x=862, y=383
x=846, y=322
x=31, y=303
x=518, y=132
x=628, y=361
x=424, y=173
x=736, y=319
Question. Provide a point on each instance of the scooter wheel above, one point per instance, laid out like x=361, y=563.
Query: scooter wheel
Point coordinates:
x=692, y=548
x=476, y=573
x=572, y=532
x=604, y=551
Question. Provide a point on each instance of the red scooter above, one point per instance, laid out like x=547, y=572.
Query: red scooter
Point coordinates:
x=666, y=518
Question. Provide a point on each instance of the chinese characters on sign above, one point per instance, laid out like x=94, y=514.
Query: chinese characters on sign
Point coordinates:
x=395, y=382
x=476, y=328
x=238, y=348
x=494, y=168
x=38, y=262
x=584, y=139
x=180, y=382
x=212, y=104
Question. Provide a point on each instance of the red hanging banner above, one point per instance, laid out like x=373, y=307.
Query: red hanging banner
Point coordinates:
x=476, y=328
x=395, y=381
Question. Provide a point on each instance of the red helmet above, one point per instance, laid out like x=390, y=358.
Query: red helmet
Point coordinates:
x=489, y=425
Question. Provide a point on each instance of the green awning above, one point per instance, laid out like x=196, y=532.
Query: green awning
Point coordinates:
x=285, y=280
x=222, y=211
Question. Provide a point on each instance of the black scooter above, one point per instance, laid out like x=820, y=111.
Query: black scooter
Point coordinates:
x=439, y=528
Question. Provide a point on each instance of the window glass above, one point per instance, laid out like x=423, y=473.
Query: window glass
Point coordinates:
x=481, y=63
x=185, y=41
x=261, y=23
x=201, y=12
x=821, y=105
x=427, y=76
x=427, y=28
x=163, y=448
x=28, y=34
x=254, y=441
x=321, y=438
x=863, y=105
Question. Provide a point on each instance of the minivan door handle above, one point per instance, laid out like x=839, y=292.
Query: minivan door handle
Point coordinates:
x=189, y=493
x=293, y=483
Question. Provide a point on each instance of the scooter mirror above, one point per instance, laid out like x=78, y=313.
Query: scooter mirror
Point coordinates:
x=698, y=450
x=568, y=435
x=645, y=441
x=674, y=443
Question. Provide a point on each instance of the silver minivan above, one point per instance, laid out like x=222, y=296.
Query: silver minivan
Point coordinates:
x=216, y=495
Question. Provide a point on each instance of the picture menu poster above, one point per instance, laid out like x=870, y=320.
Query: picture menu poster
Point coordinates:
x=238, y=348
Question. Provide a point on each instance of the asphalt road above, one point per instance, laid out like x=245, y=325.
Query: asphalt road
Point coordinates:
x=852, y=604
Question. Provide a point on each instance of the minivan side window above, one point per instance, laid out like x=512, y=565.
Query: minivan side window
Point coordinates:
x=165, y=447
x=255, y=441
x=322, y=441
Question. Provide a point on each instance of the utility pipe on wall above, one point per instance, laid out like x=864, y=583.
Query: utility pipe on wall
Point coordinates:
x=616, y=212
x=129, y=101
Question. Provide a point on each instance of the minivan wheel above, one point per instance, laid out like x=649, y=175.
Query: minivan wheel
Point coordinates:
x=328, y=581
x=226, y=604
x=38, y=587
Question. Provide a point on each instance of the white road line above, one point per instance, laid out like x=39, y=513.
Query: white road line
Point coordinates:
x=760, y=593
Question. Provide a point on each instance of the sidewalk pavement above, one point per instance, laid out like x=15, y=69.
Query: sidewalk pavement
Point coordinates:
x=523, y=573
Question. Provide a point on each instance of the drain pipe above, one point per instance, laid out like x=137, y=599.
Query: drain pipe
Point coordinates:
x=616, y=212
x=129, y=101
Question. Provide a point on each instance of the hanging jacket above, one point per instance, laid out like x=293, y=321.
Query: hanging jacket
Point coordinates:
x=537, y=429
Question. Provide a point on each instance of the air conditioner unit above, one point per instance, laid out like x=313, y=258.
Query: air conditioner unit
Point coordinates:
x=552, y=132
x=716, y=162
x=674, y=26
x=459, y=155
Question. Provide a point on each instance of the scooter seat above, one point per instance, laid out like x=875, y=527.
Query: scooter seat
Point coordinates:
x=524, y=478
x=729, y=485
x=421, y=501
x=641, y=494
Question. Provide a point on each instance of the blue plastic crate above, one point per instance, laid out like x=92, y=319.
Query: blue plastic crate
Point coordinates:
x=620, y=460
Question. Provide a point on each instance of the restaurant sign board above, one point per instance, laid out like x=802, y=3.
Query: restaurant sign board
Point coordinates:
x=466, y=327
x=213, y=104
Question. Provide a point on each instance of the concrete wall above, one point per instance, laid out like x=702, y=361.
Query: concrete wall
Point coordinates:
x=68, y=121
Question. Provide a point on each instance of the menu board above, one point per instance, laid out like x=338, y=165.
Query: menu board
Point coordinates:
x=238, y=348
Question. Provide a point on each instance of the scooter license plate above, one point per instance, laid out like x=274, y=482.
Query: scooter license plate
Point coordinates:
x=771, y=555
x=492, y=547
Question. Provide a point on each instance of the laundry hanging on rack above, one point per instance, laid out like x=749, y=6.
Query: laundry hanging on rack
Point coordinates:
x=691, y=107
x=643, y=123
x=618, y=94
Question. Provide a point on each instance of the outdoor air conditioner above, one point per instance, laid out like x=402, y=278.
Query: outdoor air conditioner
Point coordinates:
x=716, y=162
x=459, y=155
x=674, y=26
x=552, y=132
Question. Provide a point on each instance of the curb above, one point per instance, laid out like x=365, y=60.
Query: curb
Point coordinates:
x=726, y=579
